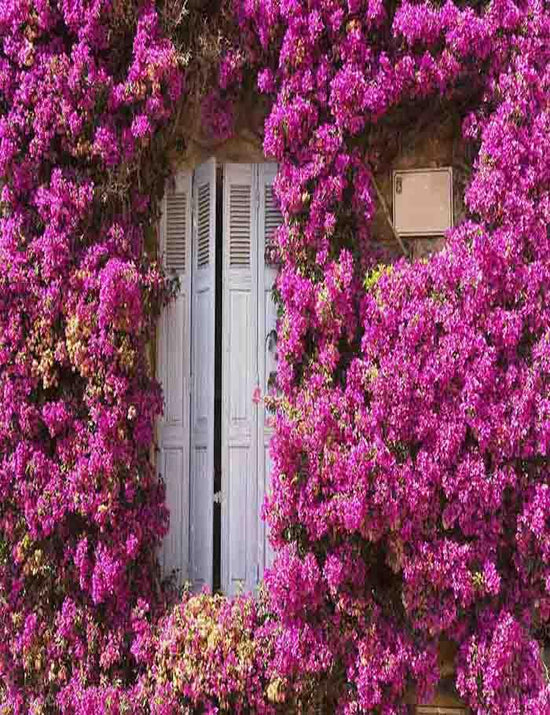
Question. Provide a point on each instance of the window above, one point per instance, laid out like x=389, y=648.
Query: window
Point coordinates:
x=215, y=357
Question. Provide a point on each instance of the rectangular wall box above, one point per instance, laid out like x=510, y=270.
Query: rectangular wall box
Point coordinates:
x=423, y=201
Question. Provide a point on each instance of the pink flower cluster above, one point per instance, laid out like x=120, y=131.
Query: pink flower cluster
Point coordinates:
x=411, y=458
x=411, y=487
x=84, y=86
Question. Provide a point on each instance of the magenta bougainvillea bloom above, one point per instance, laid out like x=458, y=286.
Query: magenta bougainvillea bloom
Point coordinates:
x=411, y=479
x=411, y=486
x=84, y=86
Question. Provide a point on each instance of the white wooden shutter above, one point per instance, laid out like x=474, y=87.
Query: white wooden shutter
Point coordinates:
x=201, y=487
x=239, y=412
x=269, y=219
x=173, y=359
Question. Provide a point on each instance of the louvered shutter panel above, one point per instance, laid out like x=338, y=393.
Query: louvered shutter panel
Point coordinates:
x=201, y=488
x=239, y=411
x=269, y=209
x=240, y=217
x=173, y=360
x=269, y=219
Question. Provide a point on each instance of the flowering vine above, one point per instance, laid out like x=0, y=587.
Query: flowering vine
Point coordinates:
x=84, y=86
x=410, y=482
x=410, y=494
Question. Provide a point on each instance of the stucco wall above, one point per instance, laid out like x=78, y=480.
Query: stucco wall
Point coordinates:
x=432, y=141
x=432, y=144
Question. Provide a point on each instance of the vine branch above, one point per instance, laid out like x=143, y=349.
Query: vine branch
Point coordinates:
x=387, y=214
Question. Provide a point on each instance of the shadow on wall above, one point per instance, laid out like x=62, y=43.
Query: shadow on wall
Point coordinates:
x=434, y=141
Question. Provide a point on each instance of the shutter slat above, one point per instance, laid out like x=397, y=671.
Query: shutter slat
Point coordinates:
x=176, y=232
x=203, y=226
x=273, y=217
x=239, y=226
